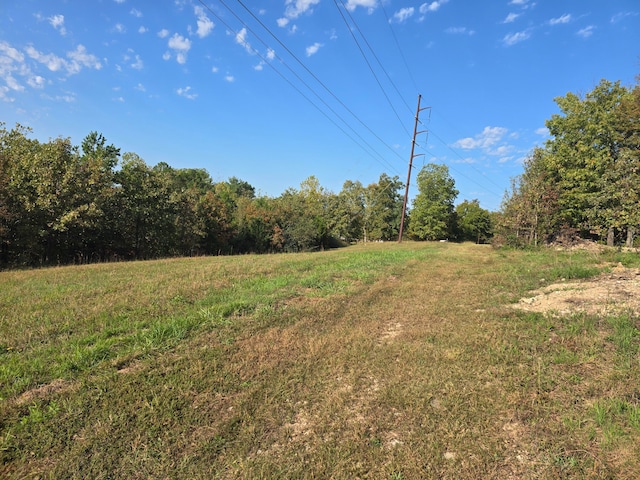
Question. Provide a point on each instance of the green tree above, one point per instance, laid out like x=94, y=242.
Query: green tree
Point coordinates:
x=383, y=209
x=473, y=222
x=583, y=148
x=531, y=210
x=348, y=212
x=432, y=213
x=304, y=217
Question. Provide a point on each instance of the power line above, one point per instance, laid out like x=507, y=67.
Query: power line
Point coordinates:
x=327, y=89
x=395, y=39
x=369, y=64
x=382, y=160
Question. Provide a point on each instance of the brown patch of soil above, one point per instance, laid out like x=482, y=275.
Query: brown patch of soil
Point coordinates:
x=42, y=391
x=608, y=293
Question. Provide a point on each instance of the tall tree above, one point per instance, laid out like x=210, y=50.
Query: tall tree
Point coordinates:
x=348, y=212
x=531, y=211
x=473, y=222
x=432, y=213
x=583, y=147
x=383, y=209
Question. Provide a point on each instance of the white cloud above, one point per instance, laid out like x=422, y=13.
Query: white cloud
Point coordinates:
x=119, y=1
x=513, y=38
x=36, y=81
x=80, y=58
x=13, y=84
x=403, y=14
x=369, y=4
x=282, y=22
x=313, y=49
x=511, y=18
x=57, y=22
x=544, y=131
x=186, y=93
x=518, y=2
x=489, y=137
x=9, y=54
x=136, y=13
x=205, y=25
x=215, y=69
x=3, y=94
x=460, y=31
x=618, y=17
x=163, y=33
x=241, y=39
x=138, y=64
x=143, y=29
x=51, y=61
x=586, y=32
x=180, y=46
x=119, y=28
x=295, y=8
x=566, y=18
x=432, y=7
x=140, y=88
x=230, y=78
x=166, y=56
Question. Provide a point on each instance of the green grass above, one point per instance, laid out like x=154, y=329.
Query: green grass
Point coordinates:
x=377, y=361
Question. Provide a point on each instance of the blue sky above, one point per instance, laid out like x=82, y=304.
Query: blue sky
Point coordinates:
x=275, y=93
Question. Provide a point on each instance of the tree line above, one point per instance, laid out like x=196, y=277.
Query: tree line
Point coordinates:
x=585, y=181
x=61, y=203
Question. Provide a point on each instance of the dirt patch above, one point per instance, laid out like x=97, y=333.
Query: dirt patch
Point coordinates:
x=42, y=391
x=607, y=294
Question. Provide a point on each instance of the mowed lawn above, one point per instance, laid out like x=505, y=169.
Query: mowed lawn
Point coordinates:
x=378, y=361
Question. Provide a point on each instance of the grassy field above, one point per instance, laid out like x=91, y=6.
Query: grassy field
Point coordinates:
x=383, y=361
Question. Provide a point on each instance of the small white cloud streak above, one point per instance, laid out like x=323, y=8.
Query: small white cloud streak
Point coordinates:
x=181, y=46
x=295, y=8
x=485, y=140
x=432, y=7
x=513, y=38
x=57, y=22
x=313, y=49
x=460, y=31
x=78, y=58
x=586, y=32
x=403, y=15
x=241, y=39
x=205, y=25
x=566, y=18
x=138, y=64
x=185, y=92
x=370, y=5
x=511, y=18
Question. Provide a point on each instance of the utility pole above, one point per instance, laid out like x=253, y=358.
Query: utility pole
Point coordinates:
x=413, y=147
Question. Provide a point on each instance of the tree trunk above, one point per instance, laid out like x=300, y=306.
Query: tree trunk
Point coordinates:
x=630, y=234
x=610, y=237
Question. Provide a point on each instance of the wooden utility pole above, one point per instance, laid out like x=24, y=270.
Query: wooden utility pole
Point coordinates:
x=413, y=155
